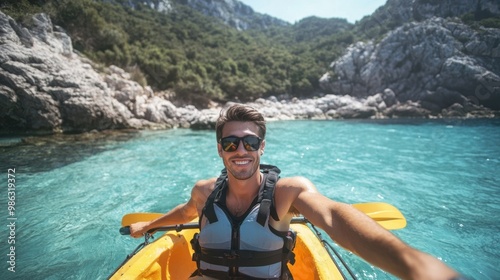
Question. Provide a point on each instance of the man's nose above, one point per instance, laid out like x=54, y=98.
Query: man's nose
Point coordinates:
x=241, y=147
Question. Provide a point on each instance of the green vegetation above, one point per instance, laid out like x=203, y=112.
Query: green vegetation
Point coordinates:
x=200, y=58
x=481, y=18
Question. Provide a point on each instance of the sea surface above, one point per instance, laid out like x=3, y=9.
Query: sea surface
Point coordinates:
x=70, y=194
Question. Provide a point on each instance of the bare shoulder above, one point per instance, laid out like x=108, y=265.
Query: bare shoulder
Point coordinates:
x=199, y=194
x=299, y=195
x=203, y=188
x=295, y=184
x=288, y=189
x=206, y=183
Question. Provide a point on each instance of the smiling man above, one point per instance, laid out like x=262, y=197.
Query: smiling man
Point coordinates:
x=245, y=215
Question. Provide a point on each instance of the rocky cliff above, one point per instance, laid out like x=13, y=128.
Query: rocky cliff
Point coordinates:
x=398, y=12
x=436, y=63
x=425, y=9
x=46, y=87
x=232, y=12
x=162, y=6
x=435, y=67
x=236, y=14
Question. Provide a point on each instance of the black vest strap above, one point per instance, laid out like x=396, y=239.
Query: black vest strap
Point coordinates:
x=266, y=195
x=208, y=209
x=241, y=257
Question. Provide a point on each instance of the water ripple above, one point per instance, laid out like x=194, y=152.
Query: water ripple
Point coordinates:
x=71, y=194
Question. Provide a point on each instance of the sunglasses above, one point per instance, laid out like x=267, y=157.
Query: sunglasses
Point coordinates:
x=250, y=143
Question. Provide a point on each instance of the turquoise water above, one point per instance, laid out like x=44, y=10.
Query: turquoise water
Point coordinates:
x=441, y=174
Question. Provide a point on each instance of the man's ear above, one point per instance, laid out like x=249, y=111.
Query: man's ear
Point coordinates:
x=262, y=146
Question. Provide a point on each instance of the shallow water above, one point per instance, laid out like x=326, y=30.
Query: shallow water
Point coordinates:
x=71, y=195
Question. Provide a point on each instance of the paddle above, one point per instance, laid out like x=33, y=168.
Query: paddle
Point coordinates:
x=126, y=229
x=383, y=213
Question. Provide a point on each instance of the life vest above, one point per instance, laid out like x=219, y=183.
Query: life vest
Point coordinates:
x=246, y=247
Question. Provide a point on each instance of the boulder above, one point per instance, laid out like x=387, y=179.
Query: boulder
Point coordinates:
x=428, y=61
x=46, y=87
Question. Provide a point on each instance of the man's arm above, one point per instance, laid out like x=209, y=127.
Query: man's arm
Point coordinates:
x=355, y=231
x=180, y=214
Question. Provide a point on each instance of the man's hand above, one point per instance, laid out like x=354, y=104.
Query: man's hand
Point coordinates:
x=138, y=229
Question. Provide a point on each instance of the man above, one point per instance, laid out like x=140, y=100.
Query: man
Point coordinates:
x=231, y=210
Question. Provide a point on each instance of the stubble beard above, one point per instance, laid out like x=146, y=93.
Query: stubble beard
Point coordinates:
x=244, y=174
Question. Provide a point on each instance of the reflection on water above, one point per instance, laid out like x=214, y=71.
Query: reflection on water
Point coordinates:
x=44, y=153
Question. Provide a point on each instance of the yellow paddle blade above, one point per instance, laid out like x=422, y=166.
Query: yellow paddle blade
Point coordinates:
x=383, y=213
x=131, y=218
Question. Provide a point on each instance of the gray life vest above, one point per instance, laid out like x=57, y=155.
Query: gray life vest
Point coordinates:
x=245, y=247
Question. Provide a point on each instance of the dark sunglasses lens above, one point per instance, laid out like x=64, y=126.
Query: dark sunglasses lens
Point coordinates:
x=230, y=144
x=251, y=143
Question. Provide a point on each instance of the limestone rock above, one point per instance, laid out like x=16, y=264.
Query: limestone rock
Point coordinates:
x=438, y=61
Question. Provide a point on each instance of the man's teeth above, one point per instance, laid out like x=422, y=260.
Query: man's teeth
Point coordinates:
x=242, y=162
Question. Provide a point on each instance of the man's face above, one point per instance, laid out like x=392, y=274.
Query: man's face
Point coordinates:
x=242, y=164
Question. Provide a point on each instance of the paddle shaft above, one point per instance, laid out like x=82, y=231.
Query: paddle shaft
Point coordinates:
x=383, y=213
x=126, y=230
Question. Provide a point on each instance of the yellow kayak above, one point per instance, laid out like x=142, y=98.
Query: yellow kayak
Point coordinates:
x=169, y=257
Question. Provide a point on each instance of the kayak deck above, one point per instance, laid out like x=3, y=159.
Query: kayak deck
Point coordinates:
x=169, y=257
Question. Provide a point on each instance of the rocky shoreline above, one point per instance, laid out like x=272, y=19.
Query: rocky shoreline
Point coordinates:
x=46, y=87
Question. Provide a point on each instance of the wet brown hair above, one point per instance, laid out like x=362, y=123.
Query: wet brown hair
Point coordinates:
x=240, y=113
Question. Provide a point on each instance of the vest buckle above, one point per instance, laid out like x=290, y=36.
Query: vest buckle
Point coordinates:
x=232, y=255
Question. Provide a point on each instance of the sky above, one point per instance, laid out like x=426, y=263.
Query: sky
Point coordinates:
x=295, y=10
